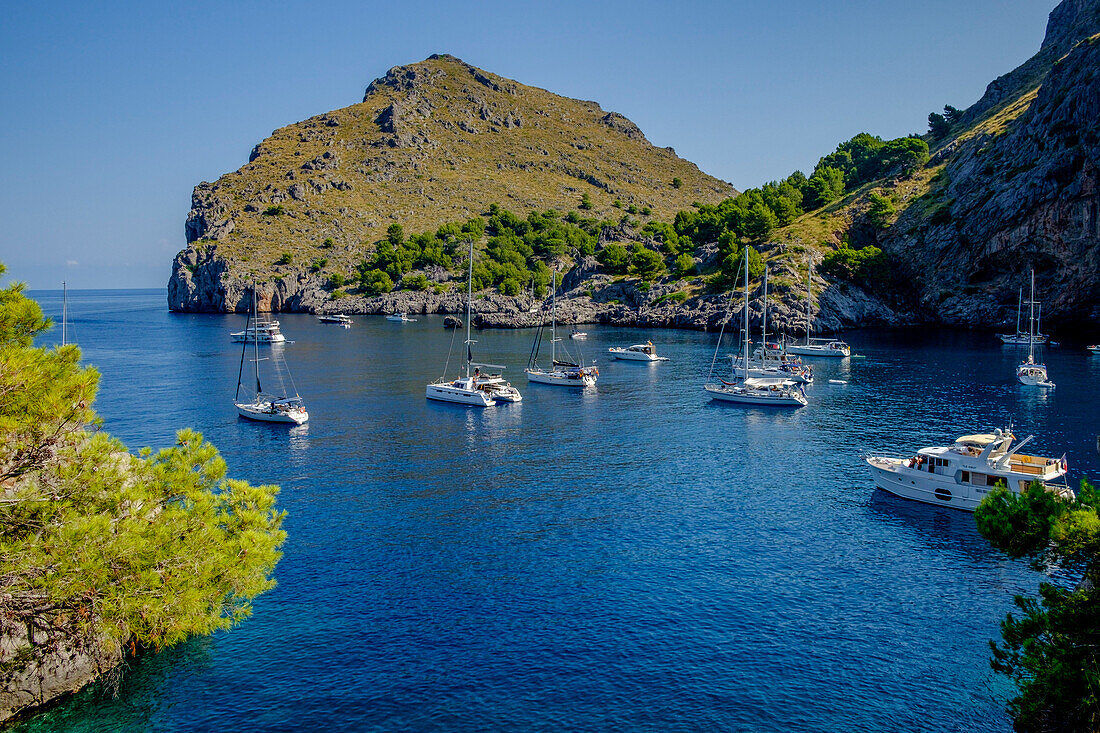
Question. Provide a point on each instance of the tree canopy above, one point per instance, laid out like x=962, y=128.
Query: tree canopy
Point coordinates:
x=1052, y=650
x=97, y=542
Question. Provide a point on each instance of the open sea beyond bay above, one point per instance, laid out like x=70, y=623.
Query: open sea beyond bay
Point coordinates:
x=633, y=557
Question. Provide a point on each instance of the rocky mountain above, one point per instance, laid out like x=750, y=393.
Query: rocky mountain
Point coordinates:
x=1010, y=183
x=431, y=143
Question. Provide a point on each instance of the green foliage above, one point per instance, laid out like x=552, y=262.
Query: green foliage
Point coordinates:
x=1051, y=651
x=731, y=268
x=284, y=259
x=866, y=266
x=276, y=210
x=337, y=294
x=510, y=286
x=336, y=280
x=825, y=186
x=395, y=235
x=375, y=282
x=677, y=296
x=881, y=211
x=318, y=264
x=617, y=203
x=419, y=281
x=328, y=243
x=586, y=202
x=645, y=263
x=97, y=541
x=952, y=114
x=615, y=258
x=685, y=265
x=938, y=126
x=677, y=183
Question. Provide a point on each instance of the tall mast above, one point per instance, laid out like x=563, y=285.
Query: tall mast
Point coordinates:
x=746, y=355
x=1019, y=308
x=554, y=321
x=1031, y=320
x=255, y=338
x=64, y=309
x=809, y=277
x=764, y=335
x=469, y=304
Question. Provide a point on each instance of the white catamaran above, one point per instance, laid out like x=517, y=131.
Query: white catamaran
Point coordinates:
x=817, y=346
x=475, y=389
x=264, y=406
x=750, y=390
x=1030, y=372
x=561, y=373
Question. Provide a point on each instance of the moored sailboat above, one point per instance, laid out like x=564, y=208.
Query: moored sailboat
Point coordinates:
x=817, y=346
x=264, y=406
x=1030, y=372
x=561, y=373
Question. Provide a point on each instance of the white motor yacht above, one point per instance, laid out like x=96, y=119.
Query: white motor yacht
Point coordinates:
x=337, y=318
x=637, y=352
x=1094, y=349
x=960, y=475
x=264, y=332
x=400, y=318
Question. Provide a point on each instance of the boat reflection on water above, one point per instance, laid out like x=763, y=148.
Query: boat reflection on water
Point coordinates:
x=941, y=528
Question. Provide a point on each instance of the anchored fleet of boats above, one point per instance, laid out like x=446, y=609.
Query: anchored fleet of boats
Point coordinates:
x=772, y=375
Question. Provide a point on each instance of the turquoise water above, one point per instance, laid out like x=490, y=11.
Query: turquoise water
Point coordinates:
x=630, y=558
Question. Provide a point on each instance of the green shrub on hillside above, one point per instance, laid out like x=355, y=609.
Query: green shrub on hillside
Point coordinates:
x=867, y=266
x=375, y=282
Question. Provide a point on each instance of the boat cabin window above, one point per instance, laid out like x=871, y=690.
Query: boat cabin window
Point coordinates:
x=965, y=477
x=992, y=480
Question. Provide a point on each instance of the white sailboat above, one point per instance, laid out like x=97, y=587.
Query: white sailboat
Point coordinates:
x=1030, y=372
x=817, y=346
x=768, y=361
x=753, y=390
x=475, y=389
x=264, y=406
x=561, y=373
x=1022, y=337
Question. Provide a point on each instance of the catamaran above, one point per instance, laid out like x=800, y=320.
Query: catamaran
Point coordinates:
x=475, y=389
x=264, y=406
x=960, y=475
x=1030, y=372
x=817, y=346
x=561, y=373
x=752, y=390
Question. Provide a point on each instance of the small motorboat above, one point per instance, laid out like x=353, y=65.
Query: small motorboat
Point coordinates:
x=637, y=352
x=578, y=335
x=400, y=318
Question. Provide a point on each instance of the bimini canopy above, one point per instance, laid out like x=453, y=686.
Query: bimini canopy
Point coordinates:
x=978, y=441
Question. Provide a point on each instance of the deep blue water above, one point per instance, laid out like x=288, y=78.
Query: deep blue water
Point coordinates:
x=633, y=558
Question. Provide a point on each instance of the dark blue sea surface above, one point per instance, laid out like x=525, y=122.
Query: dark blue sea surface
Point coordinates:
x=634, y=557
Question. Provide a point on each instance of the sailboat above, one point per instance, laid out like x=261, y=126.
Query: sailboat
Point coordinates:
x=1022, y=337
x=766, y=361
x=817, y=346
x=475, y=389
x=778, y=392
x=266, y=407
x=561, y=373
x=1030, y=372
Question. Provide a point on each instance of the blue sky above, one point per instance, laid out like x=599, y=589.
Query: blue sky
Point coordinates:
x=112, y=111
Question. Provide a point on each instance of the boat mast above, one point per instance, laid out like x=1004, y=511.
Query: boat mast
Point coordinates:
x=764, y=334
x=255, y=338
x=746, y=356
x=64, y=309
x=469, y=302
x=1019, y=308
x=1031, y=321
x=553, y=321
x=809, y=277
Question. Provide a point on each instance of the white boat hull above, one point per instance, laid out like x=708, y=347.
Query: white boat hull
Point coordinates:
x=890, y=475
x=1033, y=376
x=812, y=350
x=761, y=398
x=275, y=338
x=559, y=379
x=626, y=355
x=446, y=392
x=263, y=413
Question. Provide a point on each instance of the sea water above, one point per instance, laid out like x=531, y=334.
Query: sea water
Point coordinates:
x=631, y=557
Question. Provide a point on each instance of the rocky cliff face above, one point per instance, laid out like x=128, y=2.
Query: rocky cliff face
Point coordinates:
x=1023, y=196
